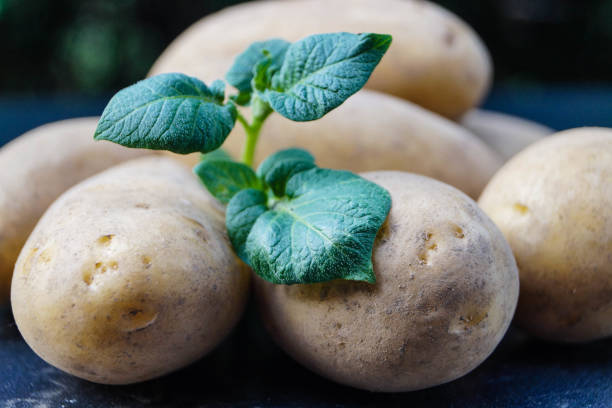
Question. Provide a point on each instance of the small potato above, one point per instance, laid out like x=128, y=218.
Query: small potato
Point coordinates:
x=39, y=166
x=553, y=202
x=435, y=60
x=374, y=131
x=129, y=275
x=446, y=289
x=506, y=134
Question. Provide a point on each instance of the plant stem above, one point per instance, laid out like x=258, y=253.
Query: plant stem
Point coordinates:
x=261, y=110
x=252, y=134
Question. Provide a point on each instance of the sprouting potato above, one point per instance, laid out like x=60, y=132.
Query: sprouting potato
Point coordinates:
x=446, y=290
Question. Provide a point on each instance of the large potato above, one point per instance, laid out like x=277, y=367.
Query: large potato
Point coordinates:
x=374, y=131
x=129, y=275
x=553, y=202
x=446, y=288
x=506, y=134
x=39, y=166
x=435, y=60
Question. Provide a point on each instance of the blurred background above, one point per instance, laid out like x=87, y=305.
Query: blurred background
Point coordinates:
x=56, y=52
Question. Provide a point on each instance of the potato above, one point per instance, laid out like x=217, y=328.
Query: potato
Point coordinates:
x=506, y=134
x=435, y=60
x=553, y=202
x=39, y=166
x=446, y=289
x=129, y=275
x=374, y=131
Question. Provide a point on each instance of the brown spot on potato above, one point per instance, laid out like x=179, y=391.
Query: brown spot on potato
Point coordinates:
x=135, y=317
x=105, y=239
x=473, y=319
x=88, y=277
x=200, y=230
x=25, y=271
x=430, y=246
x=98, y=268
x=458, y=231
x=45, y=256
x=449, y=37
x=146, y=261
x=520, y=208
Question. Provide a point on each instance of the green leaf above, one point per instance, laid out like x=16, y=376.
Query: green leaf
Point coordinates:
x=263, y=74
x=241, y=213
x=279, y=167
x=219, y=154
x=225, y=178
x=242, y=98
x=320, y=72
x=217, y=89
x=242, y=71
x=323, y=229
x=172, y=112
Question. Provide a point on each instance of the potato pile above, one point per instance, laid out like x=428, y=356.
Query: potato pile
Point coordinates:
x=130, y=274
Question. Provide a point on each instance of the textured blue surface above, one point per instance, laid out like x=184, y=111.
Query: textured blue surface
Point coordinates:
x=247, y=370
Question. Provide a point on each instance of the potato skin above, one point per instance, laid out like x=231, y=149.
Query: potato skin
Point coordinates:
x=553, y=202
x=373, y=131
x=435, y=60
x=39, y=166
x=446, y=289
x=506, y=134
x=129, y=275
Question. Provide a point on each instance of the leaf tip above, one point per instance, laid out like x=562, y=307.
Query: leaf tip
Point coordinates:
x=364, y=274
x=98, y=135
x=381, y=41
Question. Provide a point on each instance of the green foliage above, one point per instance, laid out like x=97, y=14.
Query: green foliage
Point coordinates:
x=224, y=178
x=322, y=228
x=291, y=221
x=241, y=73
x=320, y=72
x=172, y=112
x=278, y=168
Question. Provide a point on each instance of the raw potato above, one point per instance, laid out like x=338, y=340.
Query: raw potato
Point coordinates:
x=553, y=202
x=446, y=289
x=435, y=60
x=374, y=131
x=39, y=166
x=506, y=134
x=129, y=275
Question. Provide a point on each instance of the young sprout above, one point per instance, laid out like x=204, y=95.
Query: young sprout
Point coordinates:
x=291, y=221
